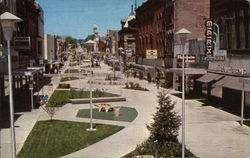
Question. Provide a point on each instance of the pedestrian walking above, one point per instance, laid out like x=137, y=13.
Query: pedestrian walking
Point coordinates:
x=158, y=78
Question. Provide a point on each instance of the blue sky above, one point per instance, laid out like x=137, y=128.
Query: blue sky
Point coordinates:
x=76, y=17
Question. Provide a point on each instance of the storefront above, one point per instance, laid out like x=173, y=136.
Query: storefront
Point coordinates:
x=191, y=74
x=226, y=89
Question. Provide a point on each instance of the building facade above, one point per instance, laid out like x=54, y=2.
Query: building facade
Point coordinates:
x=127, y=34
x=112, y=42
x=227, y=76
x=24, y=53
x=158, y=20
x=31, y=29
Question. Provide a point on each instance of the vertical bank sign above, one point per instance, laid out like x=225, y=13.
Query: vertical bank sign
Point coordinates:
x=209, y=38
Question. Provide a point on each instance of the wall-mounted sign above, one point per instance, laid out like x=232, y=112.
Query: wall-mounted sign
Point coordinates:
x=189, y=58
x=213, y=58
x=209, y=38
x=151, y=53
x=21, y=43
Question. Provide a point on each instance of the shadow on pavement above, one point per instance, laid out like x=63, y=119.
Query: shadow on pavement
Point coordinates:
x=245, y=122
x=217, y=103
x=188, y=96
x=22, y=103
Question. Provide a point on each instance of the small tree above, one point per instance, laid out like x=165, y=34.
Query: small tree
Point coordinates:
x=126, y=73
x=51, y=109
x=140, y=75
x=166, y=121
x=162, y=141
x=149, y=78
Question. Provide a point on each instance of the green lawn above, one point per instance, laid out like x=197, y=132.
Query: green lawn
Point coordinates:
x=68, y=79
x=60, y=97
x=126, y=114
x=71, y=71
x=53, y=139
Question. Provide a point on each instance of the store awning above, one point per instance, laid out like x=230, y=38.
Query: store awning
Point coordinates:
x=188, y=71
x=221, y=82
x=232, y=83
x=209, y=77
x=25, y=72
x=142, y=67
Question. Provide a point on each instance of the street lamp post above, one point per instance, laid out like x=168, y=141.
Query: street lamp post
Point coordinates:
x=183, y=38
x=120, y=57
x=91, y=102
x=90, y=91
x=8, y=21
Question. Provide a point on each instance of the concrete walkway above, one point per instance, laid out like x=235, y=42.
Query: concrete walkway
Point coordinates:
x=210, y=132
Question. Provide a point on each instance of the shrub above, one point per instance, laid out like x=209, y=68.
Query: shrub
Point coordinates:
x=99, y=92
x=108, y=77
x=140, y=75
x=126, y=85
x=137, y=85
x=132, y=85
x=164, y=149
x=134, y=74
x=149, y=78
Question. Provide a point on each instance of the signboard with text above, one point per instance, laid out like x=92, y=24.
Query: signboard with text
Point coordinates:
x=213, y=58
x=209, y=41
x=22, y=43
x=151, y=53
x=189, y=58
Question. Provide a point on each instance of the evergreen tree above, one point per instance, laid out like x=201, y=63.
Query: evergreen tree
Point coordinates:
x=162, y=141
x=166, y=121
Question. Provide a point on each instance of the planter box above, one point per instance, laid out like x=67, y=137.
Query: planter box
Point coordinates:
x=64, y=86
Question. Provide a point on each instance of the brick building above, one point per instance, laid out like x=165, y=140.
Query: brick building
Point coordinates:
x=127, y=34
x=23, y=53
x=158, y=20
x=156, y=24
x=32, y=15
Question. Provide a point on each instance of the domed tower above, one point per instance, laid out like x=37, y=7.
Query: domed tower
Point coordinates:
x=96, y=38
x=95, y=29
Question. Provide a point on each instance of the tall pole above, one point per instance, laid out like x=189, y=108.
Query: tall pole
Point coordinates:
x=32, y=101
x=242, y=104
x=183, y=102
x=90, y=96
x=13, y=139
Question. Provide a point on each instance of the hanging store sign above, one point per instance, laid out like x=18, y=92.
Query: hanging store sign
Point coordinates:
x=209, y=38
x=151, y=53
x=189, y=58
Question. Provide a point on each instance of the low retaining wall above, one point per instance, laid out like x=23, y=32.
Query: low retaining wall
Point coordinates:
x=97, y=100
x=107, y=82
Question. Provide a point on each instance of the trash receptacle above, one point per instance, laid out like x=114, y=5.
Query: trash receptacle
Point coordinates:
x=117, y=112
